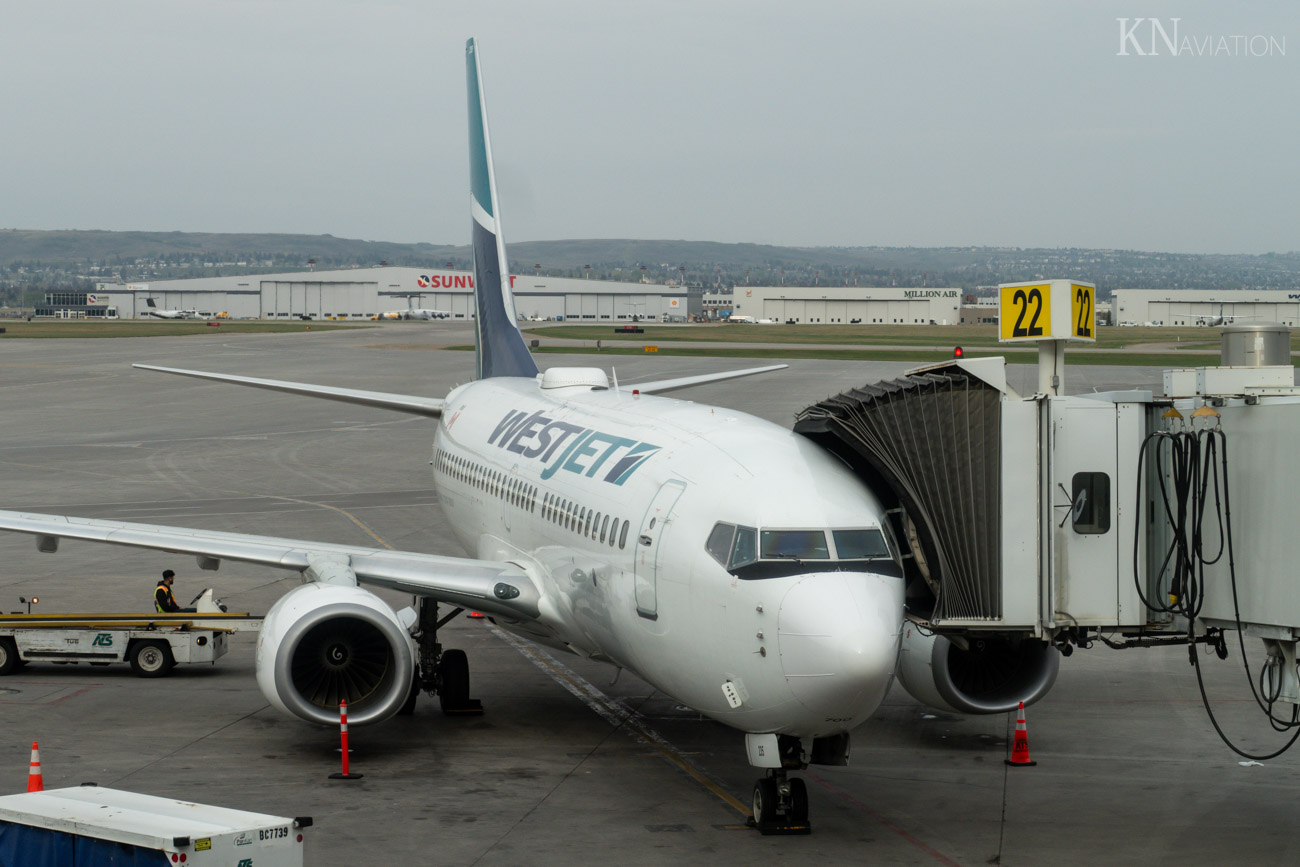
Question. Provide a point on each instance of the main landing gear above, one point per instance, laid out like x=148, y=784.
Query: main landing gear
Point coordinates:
x=780, y=802
x=444, y=673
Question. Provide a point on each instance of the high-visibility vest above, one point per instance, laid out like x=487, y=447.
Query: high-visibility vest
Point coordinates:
x=167, y=591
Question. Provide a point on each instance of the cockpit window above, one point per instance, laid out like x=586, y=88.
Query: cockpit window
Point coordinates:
x=860, y=544
x=794, y=545
x=719, y=544
x=749, y=553
x=744, y=551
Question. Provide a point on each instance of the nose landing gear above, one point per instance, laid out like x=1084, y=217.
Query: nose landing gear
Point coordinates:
x=780, y=802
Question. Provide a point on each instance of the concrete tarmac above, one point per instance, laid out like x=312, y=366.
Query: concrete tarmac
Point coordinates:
x=564, y=767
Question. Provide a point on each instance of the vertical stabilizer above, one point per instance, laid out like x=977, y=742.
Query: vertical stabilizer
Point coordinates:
x=501, y=349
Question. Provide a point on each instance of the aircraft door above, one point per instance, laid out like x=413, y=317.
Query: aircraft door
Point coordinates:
x=649, y=554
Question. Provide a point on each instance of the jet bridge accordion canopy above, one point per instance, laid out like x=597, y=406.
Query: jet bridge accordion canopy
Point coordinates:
x=934, y=439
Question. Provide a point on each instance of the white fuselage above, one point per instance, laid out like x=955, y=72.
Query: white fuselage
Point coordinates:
x=549, y=478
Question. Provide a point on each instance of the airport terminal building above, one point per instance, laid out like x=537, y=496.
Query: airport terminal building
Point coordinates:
x=361, y=293
x=1202, y=306
x=848, y=305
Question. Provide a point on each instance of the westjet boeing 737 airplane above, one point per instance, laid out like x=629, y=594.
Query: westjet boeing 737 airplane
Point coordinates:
x=734, y=565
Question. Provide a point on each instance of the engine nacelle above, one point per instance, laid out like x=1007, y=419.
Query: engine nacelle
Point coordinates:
x=993, y=676
x=325, y=642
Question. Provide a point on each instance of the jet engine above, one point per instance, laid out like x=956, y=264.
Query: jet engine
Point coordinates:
x=990, y=674
x=322, y=643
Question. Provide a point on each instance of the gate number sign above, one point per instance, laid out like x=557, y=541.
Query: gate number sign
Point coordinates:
x=1050, y=310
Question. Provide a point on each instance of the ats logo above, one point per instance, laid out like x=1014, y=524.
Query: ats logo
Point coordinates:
x=450, y=281
x=581, y=450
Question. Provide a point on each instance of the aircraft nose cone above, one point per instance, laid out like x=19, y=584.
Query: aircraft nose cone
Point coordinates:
x=838, y=636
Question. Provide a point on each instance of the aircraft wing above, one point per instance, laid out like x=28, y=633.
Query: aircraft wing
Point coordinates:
x=488, y=586
x=665, y=385
x=430, y=406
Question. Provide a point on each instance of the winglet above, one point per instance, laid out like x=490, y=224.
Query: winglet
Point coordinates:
x=500, y=345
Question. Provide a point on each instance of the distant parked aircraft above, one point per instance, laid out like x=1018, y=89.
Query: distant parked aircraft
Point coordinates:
x=158, y=313
x=413, y=312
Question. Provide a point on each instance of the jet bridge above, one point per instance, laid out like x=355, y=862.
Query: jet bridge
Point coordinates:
x=983, y=485
x=1052, y=521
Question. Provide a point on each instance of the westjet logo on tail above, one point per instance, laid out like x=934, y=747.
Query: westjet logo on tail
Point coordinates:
x=581, y=450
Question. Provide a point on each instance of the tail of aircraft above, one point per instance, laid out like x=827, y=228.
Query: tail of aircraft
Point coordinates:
x=500, y=347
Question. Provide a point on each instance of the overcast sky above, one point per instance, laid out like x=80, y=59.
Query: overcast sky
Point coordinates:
x=810, y=123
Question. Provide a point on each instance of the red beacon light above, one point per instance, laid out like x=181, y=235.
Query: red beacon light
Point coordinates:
x=958, y=352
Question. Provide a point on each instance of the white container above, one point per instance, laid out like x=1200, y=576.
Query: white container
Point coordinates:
x=183, y=832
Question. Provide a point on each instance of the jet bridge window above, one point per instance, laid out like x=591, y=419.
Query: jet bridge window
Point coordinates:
x=1090, y=514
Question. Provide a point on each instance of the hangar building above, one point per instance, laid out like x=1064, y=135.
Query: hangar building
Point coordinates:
x=360, y=293
x=1200, y=306
x=849, y=305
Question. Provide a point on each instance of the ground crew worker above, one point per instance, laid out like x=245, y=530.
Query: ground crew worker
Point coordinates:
x=163, y=600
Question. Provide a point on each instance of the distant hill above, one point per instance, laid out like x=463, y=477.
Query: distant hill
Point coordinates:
x=32, y=261
x=75, y=246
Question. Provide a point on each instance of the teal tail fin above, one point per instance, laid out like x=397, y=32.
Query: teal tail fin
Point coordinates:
x=501, y=348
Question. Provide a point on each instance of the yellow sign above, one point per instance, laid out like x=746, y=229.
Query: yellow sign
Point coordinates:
x=1083, y=310
x=652, y=349
x=203, y=844
x=1025, y=312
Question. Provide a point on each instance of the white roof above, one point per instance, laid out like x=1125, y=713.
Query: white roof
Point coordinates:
x=128, y=817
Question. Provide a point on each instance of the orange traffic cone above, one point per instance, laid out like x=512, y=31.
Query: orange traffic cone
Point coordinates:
x=34, y=781
x=1020, y=746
